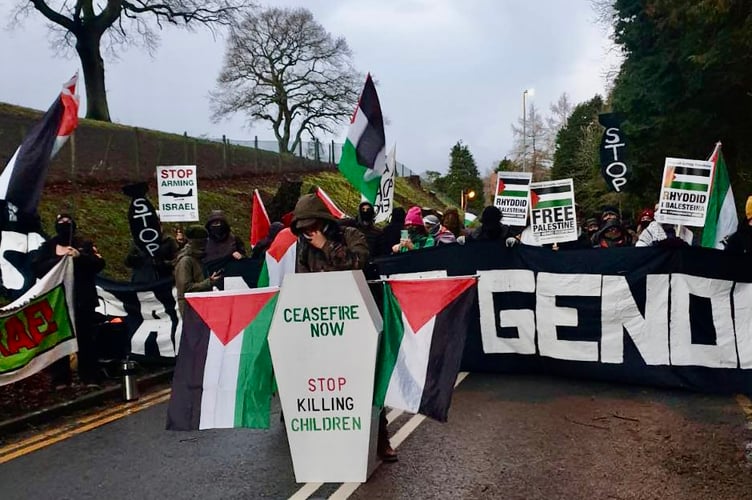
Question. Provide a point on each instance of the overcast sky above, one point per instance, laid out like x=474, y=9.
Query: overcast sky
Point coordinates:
x=446, y=70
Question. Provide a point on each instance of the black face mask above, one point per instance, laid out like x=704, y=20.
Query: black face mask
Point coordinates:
x=367, y=215
x=64, y=232
x=219, y=233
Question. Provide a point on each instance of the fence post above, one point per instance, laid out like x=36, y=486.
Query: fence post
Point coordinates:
x=224, y=152
x=334, y=160
x=195, y=151
x=185, y=148
x=255, y=154
x=138, y=154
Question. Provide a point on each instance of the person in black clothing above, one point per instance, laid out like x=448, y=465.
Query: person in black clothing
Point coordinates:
x=86, y=264
x=391, y=234
x=364, y=222
x=222, y=243
x=741, y=240
x=490, y=228
x=147, y=269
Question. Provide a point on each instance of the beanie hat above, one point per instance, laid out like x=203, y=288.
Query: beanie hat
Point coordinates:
x=647, y=215
x=414, y=217
x=431, y=220
x=196, y=232
x=748, y=208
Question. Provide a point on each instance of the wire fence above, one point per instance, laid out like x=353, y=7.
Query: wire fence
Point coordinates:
x=328, y=152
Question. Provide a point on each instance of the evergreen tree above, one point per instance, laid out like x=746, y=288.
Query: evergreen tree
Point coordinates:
x=463, y=175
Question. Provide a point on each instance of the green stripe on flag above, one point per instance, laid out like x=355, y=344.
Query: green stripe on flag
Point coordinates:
x=263, y=279
x=22, y=342
x=516, y=194
x=689, y=186
x=255, y=376
x=566, y=202
x=389, y=349
x=354, y=172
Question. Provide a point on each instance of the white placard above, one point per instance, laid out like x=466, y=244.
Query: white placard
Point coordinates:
x=177, y=188
x=323, y=341
x=685, y=192
x=513, y=197
x=553, y=217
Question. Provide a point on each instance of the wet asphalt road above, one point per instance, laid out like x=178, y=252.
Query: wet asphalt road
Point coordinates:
x=507, y=437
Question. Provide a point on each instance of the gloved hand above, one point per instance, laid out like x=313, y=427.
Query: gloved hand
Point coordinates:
x=512, y=242
x=461, y=239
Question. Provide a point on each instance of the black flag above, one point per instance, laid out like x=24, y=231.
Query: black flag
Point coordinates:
x=143, y=219
x=613, y=152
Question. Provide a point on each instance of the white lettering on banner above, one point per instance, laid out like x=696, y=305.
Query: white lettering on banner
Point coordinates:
x=663, y=336
x=516, y=280
x=683, y=351
x=743, y=317
x=614, y=142
x=619, y=312
x=550, y=315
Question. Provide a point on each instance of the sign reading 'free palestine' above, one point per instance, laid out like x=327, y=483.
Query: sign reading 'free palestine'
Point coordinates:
x=323, y=340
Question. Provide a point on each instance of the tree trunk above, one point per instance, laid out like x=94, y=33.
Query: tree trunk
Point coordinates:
x=93, y=66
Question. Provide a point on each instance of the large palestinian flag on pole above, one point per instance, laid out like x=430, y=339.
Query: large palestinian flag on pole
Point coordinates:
x=21, y=184
x=425, y=325
x=280, y=259
x=260, y=222
x=223, y=375
x=37, y=329
x=363, y=159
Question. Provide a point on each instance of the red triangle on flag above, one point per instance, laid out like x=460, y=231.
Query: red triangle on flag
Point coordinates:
x=423, y=299
x=533, y=198
x=500, y=187
x=228, y=315
x=281, y=244
x=330, y=205
x=260, y=223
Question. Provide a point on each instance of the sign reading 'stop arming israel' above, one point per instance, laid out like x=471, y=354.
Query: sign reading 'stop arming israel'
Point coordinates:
x=552, y=215
x=513, y=197
x=685, y=192
x=178, y=193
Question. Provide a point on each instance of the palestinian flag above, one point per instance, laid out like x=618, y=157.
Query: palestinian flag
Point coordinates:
x=695, y=178
x=363, y=159
x=551, y=194
x=37, y=328
x=280, y=259
x=721, y=220
x=22, y=180
x=223, y=375
x=512, y=185
x=260, y=223
x=425, y=325
x=330, y=205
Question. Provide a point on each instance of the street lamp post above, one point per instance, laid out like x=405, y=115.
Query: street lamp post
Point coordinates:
x=466, y=195
x=524, y=125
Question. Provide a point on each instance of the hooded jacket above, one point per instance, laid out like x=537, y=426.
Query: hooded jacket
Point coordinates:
x=346, y=247
x=221, y=246
x=189, y=272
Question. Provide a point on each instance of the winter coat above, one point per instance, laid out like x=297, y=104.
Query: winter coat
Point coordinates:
x=221, y=246
x=343, y=252
x=741, y=240
x=189, y=274
x=147, y=269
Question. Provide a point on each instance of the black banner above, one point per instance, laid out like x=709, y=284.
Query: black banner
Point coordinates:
x=143, y=220
x=613, y=152
x=662, y=317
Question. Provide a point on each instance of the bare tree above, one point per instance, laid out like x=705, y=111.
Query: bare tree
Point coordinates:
x=560, y=111
x=530, y=150
x=284, y=68
x=86, y=25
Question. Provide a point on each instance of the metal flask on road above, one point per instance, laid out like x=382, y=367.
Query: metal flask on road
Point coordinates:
x=130, y=387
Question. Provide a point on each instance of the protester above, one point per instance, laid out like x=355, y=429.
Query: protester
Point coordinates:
x=668, y=235
x=189, y=271
x=262, y=246
x=452, y=221
x=646, y=217
x=741, y=240
x=608, y=213
x=180, y=237
x=365, y=222
x=323, y=245
x=491, y=228
x=440, y=234
x=417, y=235
x=222, y=243
x=612, y=235
x=391, y=234
x=87, y=263
x=147, y=269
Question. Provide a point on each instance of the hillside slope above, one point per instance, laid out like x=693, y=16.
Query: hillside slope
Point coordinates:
x=101, y=209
